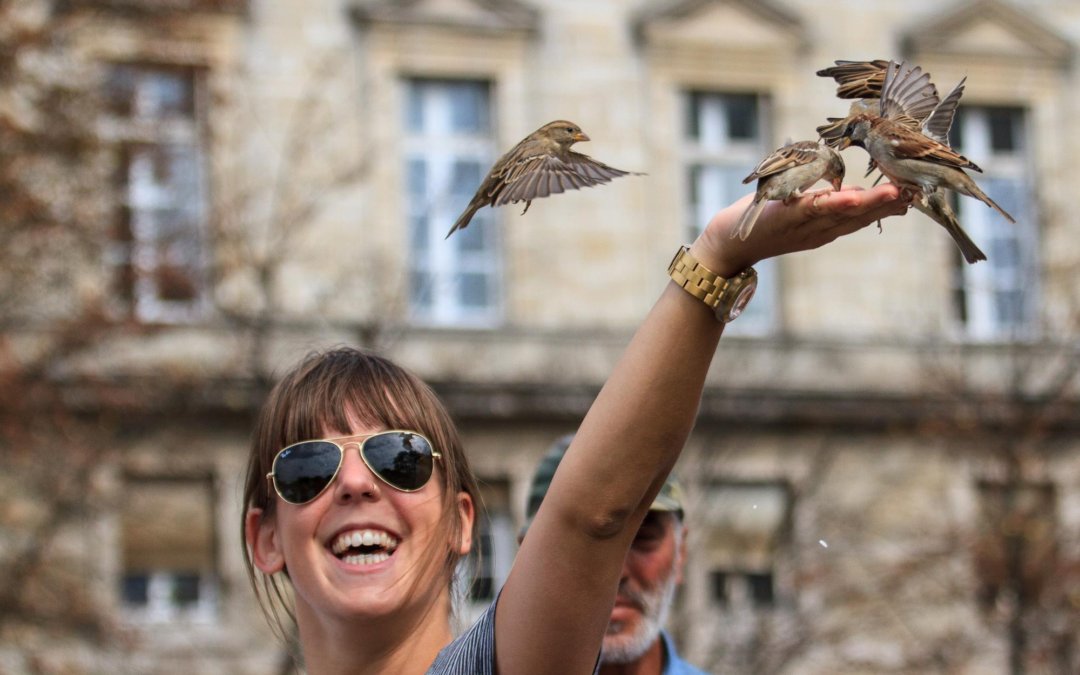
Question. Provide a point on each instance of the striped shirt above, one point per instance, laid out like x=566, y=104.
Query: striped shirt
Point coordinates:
x=473, y=653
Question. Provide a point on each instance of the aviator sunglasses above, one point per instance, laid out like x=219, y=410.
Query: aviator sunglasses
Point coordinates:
x=401, y=459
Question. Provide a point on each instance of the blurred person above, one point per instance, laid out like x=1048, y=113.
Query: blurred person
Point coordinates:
x=635, y=642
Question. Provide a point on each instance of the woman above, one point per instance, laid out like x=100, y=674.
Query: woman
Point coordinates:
x=369, y=540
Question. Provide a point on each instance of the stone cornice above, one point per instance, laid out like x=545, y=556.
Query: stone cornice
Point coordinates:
x=490, y=16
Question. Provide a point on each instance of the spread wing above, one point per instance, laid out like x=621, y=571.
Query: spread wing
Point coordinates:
x=539, y=175
x=857, y=79
x=907, y=92
x=910, y=143
x=784, y=158
x=939, y=121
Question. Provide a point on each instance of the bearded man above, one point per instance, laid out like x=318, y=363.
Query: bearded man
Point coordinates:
x=636, y=642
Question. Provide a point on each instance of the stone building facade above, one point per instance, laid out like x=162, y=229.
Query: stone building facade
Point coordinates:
x=885, y=472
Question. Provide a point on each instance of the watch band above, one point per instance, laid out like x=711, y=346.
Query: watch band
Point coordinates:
x=725, y=297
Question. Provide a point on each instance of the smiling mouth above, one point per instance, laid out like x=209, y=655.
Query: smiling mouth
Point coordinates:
x=363, y=547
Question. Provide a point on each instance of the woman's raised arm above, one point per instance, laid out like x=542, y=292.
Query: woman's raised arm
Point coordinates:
x=556, y=602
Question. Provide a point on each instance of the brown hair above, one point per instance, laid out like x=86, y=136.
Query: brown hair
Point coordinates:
x=321, y=392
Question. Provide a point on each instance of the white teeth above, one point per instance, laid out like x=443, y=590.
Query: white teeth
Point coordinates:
x=367, y=559
x=357, y=538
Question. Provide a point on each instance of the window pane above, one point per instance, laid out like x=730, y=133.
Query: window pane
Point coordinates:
x=1004, y=129
x=474, y=289
x=135, y=589
x=761, y=588
x=414, y=109
x=469, y=107
x=416, y=178
x=185, y=590
x=742, y=114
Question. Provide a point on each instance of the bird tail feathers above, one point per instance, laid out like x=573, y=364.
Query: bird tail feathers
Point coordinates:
x=749, y=217
x=463, y=220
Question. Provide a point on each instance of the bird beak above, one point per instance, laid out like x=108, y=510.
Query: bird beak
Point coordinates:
x=843, y=143
x=837, y=183
x=580, y=136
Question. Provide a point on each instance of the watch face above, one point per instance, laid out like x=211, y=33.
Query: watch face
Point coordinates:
x=742, y=300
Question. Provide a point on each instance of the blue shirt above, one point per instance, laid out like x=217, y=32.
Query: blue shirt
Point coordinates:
x=673, y=665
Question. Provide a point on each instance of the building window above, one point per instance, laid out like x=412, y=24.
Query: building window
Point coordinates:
x=997, y=299
x=725, y=139
x=158, y=246
x=169, y=570
x=448, y=150
x=747, y=526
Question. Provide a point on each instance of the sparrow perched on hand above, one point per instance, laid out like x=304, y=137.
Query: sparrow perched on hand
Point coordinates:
x=540, y=165
x=785, y=173
x=906, y=155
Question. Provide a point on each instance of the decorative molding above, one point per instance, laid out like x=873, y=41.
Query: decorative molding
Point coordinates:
x=684, y=13
x=483, y=16
x=991, y=28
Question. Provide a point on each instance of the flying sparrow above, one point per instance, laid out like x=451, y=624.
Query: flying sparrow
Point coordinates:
x=785, y=173
x=906, y=155
x=540, y=165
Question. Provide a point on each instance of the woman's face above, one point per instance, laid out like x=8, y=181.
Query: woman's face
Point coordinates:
x=361, y=548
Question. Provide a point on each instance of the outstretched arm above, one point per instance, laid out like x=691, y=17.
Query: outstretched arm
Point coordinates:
x=557, y=600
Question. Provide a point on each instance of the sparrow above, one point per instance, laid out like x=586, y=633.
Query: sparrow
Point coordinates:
x=906, y=155
x=541, y=164
x=785, y=173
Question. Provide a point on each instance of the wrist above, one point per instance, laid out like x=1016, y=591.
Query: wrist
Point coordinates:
x=726, y=297
x=721, y=258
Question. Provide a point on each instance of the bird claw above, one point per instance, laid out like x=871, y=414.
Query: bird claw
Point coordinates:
x=528, y=203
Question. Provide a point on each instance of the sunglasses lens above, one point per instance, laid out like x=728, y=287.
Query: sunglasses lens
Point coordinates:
x=304, y=470
x=401, y=459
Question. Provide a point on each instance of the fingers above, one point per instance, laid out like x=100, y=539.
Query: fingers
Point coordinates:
x=807, y=223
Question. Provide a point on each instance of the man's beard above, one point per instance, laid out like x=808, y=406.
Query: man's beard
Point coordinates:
x=655, y=605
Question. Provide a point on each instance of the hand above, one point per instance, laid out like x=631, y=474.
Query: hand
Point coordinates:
x=810, y=222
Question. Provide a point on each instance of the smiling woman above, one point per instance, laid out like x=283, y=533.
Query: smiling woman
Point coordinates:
x=369, y=540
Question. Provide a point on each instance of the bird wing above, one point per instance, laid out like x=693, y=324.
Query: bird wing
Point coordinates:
x=543, y=174
x=907, y=92
x=857, y=79
x=908, y=143
x=784, y=158
x=939, y=121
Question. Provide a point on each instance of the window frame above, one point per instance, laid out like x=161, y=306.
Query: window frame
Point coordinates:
x=132, y=251
x=438, y=261
x=975, y=287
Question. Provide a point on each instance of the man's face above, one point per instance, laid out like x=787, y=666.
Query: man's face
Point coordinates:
x=651, y=571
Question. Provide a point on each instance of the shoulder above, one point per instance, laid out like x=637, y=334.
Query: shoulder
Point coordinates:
x=472, y=653
x=674, y=665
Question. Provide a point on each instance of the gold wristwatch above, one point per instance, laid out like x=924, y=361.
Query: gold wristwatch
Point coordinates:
x=725, y=297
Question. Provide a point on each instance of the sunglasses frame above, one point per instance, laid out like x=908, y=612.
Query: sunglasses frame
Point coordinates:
x=342, y=443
